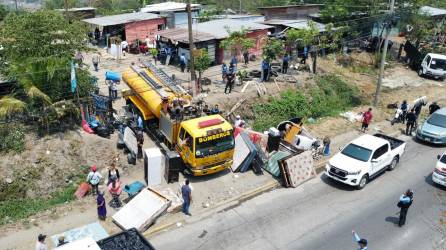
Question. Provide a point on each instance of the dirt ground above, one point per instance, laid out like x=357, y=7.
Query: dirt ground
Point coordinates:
x=58, y=158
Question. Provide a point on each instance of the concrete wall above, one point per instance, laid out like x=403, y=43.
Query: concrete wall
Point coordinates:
x=141, y=29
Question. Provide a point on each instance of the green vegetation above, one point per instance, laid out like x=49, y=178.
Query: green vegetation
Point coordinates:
x=328, y=97
x=272, y=49
x=237, y=42
x=13, y=138
x=14, y=206
x=202, y=62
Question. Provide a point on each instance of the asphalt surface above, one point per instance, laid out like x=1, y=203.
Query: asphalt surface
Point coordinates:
x=321, y=214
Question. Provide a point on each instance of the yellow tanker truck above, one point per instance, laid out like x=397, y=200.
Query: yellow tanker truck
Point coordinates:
x=205, y=143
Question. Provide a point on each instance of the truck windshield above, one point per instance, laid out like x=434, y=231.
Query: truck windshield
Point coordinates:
x=437, y=120
x=443, y=159
x=214, y=144
x=357, y=152
x=438, y=64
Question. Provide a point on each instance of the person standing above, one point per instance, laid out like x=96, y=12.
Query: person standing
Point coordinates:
x=215, y=110
x=246, y=57
x=102, y=208
x=93, y=178
x=140, y=141
x=366, y=119
x=304, y=56
x=404, y=108
x=113, y=173
x=97, y=34
x=361, y=242
x=79, y=58
x=182, y=62
x=115, y=190
x=95, y=59
x=418, y=105
x=186, y=192
x=224, y=72
x=433, y=107
x=411, y=121
x=40, y=244
x=238, y=121
x=230, y=79
x=285, y=62
x=404, y=203
x=265, y=70
x=234, y=61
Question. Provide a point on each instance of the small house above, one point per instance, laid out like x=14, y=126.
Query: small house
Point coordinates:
x=302, y=11
x=175, y=13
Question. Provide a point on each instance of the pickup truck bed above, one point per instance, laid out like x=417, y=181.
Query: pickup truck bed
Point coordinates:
x=394, y=143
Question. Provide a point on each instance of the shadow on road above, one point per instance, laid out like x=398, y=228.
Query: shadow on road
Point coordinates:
x=392, y=219
x=335, y=184
x=424, y=143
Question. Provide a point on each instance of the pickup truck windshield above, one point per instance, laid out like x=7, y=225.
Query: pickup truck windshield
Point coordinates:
x=443, y=159
x=357, y=152
x=437, y=120
x=214, y=144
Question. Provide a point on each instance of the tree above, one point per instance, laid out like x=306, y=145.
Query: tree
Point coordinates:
x=202, y=63
x=37, y=50
x=237, y=41
x=3, y=12
x=272, y=49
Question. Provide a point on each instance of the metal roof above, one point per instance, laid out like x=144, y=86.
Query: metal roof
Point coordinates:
x=78, y=9
x=431, y=11
x=217, y=28
x=121, y=19
x=182, y=35
x=168, y=6
x=290, y=6
x=296, y=23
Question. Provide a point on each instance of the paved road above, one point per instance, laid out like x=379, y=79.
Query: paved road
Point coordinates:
x=321, y=214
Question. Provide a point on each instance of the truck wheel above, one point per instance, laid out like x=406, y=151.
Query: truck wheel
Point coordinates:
x=363, y=182
x=394, y=163
x=420, y=72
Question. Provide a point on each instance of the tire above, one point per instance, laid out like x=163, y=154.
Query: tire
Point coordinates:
x=394, y=163
x=420, y=72
x=363, y=182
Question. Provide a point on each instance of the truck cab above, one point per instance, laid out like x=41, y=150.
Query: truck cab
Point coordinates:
x=364, y=158
x=433, y=65
x=206, y=144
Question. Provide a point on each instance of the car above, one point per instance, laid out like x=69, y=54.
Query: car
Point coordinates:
x=433, y=129
x=433, y=65
x=439, y=174
x=364, y=158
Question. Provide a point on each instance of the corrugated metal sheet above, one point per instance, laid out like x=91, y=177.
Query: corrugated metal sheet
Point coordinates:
x=168, y=6
x=120, y=19
x=296, y=24
x=431, y=11
x=218, y=28
x=181, y=35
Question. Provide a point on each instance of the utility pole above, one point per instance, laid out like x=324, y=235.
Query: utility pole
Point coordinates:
x=191, y=48
x=240, y=7
x=16, y=6
x=384, y=54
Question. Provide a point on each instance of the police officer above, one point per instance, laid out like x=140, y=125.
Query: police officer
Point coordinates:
x=404, y=203
x=411, y=118
x=361, y=242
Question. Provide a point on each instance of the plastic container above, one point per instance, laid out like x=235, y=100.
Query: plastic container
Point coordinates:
x=112, y=76
x=126, y=240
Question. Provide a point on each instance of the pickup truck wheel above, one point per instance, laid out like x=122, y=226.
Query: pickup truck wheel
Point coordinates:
x=393, y=164
x=420, y=72
x=363, y=182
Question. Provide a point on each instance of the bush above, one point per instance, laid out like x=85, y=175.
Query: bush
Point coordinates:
x=330, y=96
x=13, y=138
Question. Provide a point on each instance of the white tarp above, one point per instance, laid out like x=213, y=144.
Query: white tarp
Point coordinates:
x=240, y=153
x=142, y=210
x=84, y=244
x=154, y=163
x=130, y=140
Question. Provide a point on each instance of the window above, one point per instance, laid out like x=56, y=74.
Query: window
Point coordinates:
x=380, y=151
x=188, y=139
x=357, y=152
x=181, y=134
x=428, y=60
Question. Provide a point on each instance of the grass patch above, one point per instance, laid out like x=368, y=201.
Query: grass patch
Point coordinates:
x=330, y=96
x=13, y=138
x=14, y=208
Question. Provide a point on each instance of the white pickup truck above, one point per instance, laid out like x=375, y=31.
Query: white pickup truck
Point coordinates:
x=364, y=158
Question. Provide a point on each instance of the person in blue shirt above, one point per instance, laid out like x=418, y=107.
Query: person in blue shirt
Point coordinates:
x=140, y=123
x=265, y=70
x=234, y=60
x=285, y=61
x=304, y=56
x=405, y=109
x=404, y=203
x=361, y=242
x=186, y=192
x=224, y=71
x=182, y=62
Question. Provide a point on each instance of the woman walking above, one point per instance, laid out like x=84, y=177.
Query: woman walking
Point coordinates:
x=102, y=208
x=113, y=173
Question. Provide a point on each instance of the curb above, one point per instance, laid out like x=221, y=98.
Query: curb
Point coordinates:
x=243, y=197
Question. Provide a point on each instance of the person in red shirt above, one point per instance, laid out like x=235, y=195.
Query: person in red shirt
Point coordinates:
x=366, y=119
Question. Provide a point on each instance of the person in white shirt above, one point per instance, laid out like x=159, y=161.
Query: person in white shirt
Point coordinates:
x=93, y=178
x=40, y=244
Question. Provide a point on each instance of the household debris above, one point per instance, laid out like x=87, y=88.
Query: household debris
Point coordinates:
x=129, y=239
x=93, y=230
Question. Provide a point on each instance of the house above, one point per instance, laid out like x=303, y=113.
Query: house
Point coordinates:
x=208, y=35
x=302, y=11
x=175, y=13
x=281, y=26
x=80, y=13
x=130, y=26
